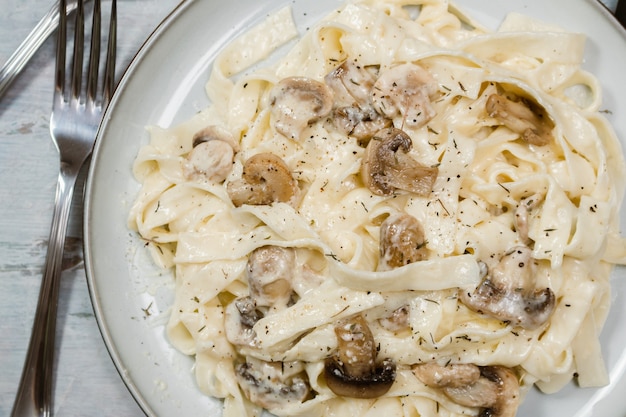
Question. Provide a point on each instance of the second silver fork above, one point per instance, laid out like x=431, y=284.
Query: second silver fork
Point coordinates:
x=76, y=115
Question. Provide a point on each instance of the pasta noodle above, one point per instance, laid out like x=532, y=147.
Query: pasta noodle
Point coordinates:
x=405, y=214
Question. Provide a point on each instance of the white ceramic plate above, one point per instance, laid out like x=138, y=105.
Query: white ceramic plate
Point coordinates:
x=165, y=85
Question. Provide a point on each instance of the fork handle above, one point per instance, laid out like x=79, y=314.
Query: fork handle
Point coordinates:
x=35, y=390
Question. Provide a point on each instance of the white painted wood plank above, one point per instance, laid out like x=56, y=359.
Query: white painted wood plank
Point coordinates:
x=86, y=382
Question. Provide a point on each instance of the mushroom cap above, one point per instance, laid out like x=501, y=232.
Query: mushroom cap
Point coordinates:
x=402, y=241
x=405, y=91
x=211, y=160
x=353, y=371
x=386, y=166
x=493, y=389
x=214, y=132
x=266, y=178
x=507, y=391
x=211, y=157
x=296, y=102
x=239, y=318
x=269, y=270
x=372, y=385
x=522, y=116
x=508, y=292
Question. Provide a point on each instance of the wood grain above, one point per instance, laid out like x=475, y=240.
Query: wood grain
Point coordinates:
x=87, y=382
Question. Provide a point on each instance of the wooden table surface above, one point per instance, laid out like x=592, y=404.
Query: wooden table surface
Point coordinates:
x=86, y=382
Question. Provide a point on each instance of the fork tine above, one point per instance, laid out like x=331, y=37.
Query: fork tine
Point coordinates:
x=109, y=71
x=77, y=59
x=94, y=55
x=73, y=128
x=59, y=71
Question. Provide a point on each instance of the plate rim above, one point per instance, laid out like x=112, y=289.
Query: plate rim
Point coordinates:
x=177, y=13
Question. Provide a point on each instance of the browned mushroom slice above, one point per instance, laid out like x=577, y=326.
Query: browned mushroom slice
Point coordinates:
x=353, y=113
x=270, y=270
x=211, y=157
x=354, y=371
x=452, y=375
x=387, y=167
x=493, y=389
x=239, y=318
x=360, y=122
x=402, y=241
x=498, y=384
x=272, y=384
x=265, y=179
x=508, y=292
x=405, y=90
x=351, y=83
x=296, y=102
x=523, y=117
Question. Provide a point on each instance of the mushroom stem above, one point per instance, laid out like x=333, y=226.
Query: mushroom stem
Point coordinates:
x=298, y=101
x=353, y=371
x=272, y=384
x=405, y=90
x=357, y=350
x=521, y=216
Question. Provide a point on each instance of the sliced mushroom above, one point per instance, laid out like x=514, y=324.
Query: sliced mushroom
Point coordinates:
x=397, y=321
x=402, y=241
x=521, y=216
x=523, y=117
x=211, y=157
x=296, y=102
x=405, y=90
x=508, y=292
x=272, y=384
x=240, y=317
x=266, y=178
x=353, y=371
x=354, y=114
x=497, y=384
x=494, y=389
x=360, y=122
x=386, y=166
x=351, y=83
x=451, y=375
x=270, y=270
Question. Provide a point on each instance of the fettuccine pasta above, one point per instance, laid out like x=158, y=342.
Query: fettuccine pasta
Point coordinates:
x=407, y=215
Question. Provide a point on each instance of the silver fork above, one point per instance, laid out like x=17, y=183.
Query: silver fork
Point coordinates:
x=76, y=114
